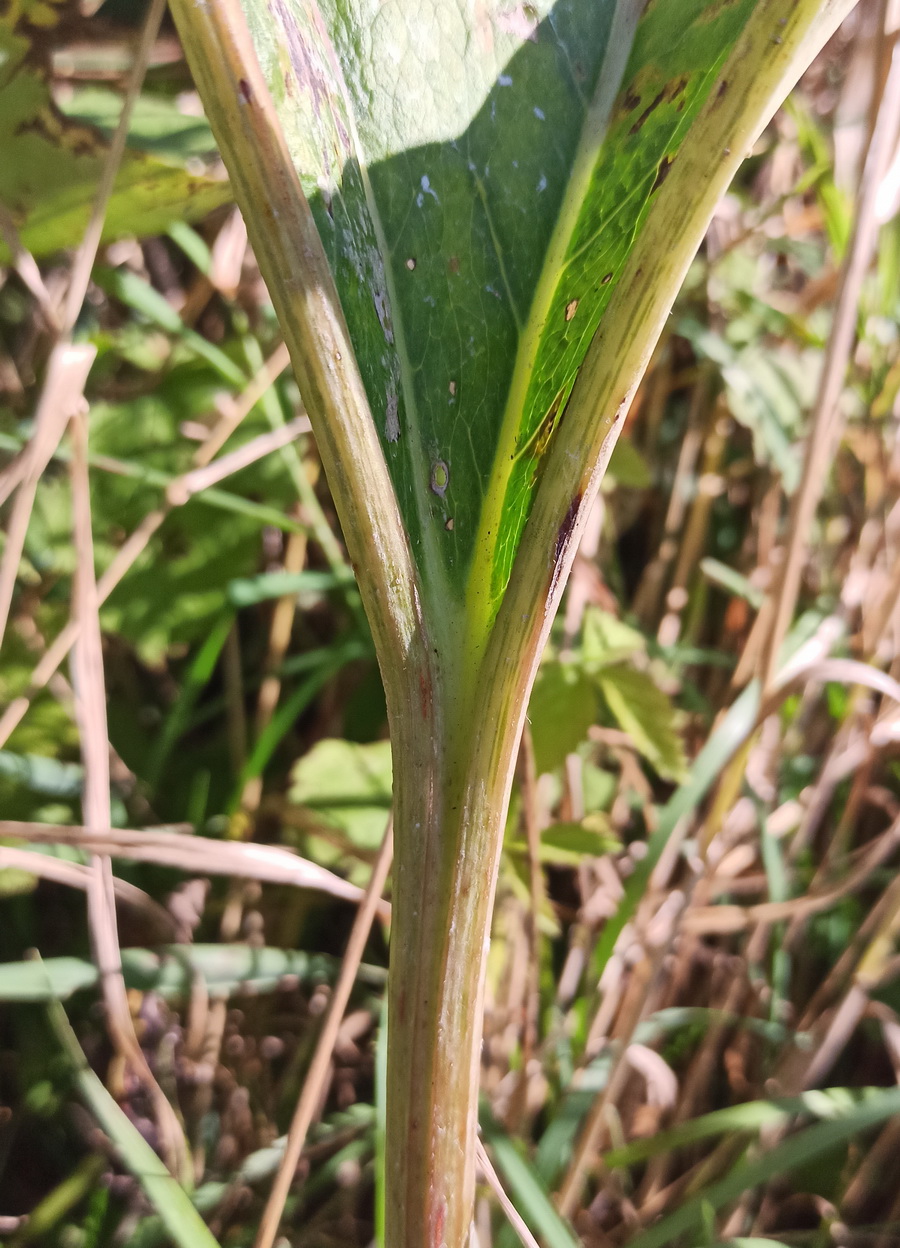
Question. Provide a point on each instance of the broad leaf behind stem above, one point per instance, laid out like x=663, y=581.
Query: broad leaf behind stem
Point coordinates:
x=479, y=176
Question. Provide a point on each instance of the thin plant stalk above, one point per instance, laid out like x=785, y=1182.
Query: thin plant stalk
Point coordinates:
x=317, y=1074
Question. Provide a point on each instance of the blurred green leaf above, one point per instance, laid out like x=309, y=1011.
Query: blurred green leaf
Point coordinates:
x=157, y=123
x=647, y=715
x=628, y=466
x=566, y=844
x=223, y=969
x=563, y=706
x=344, y=791
x=248, y=591
x=50, y=164
x=606, y=639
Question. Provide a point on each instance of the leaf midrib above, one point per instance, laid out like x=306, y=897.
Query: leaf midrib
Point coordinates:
x=479, y=607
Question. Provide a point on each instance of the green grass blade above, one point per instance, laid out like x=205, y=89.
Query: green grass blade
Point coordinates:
x=198, y=675
x=858, y=1114
x=722, y=745
x=526, y=1188
x=166, y=1195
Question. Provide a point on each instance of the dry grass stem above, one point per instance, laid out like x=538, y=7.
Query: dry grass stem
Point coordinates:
x=317, y=1074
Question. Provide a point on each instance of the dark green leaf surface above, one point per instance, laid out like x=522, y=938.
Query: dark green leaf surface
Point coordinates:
x=477, y=220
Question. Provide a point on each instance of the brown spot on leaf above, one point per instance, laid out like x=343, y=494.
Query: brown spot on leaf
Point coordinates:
x=453, y=264
x=565, y=529
x=651, y=107
x=245, y=90
x=662, y=173
x=571, y=309
x=606, y=279
x=563, y=538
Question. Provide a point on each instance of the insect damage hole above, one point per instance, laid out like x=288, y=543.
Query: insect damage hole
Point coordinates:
x=440, y=478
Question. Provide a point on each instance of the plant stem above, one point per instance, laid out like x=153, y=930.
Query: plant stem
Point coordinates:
x=452, y=794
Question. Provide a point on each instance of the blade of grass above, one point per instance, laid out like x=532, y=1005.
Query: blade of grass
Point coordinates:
x=528, y=1188
x=734, y=729
x=318, y=1070
x=751, y=1116
x=89, y=686
x=64, y=1197
x=198, y=676
x=166, y=1195
x=858, y=1115
x=515, y=1219
x=286, y=716
x=199, y=855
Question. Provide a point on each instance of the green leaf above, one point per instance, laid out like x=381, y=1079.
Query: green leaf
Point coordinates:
x=606, y=639
x=50, y=164
x=563, y=706
x=346, y=788
x=157, y=123
x=646, y=714
x=566, y=844
x=477, y=209
x=47, y=776
x=732, y=581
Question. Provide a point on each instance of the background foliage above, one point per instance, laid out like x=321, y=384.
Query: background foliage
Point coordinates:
x=673, y=1075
